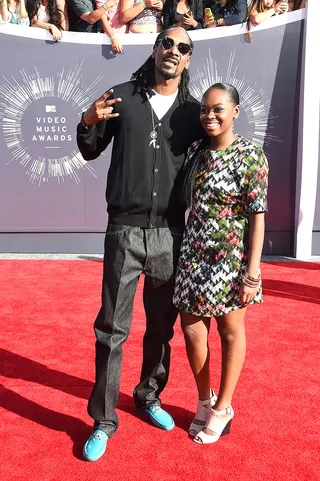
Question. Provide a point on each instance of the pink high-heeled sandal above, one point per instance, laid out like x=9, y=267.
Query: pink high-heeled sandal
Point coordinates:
x=202, y=414
x=219, y=423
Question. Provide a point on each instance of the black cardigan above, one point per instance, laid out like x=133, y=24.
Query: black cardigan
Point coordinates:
x=142, y=187
x=169, y=12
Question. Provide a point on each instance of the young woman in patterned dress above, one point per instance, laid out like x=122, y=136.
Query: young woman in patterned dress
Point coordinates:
x=219, y=267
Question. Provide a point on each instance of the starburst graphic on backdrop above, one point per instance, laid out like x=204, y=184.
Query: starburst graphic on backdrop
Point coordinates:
x=254, y=100
x=17, y=97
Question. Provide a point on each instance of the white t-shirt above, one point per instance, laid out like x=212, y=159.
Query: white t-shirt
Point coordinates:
x=162, y=103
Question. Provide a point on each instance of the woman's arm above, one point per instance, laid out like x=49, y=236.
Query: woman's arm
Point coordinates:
x=256, y=238
x=55, y=32
x=23, y=11
x=257, y=18
x=95, y=15
x=64, y=18
x=4, y=11
x=197, y=8
x=248, y=287
x=128, y=11
x=115, y=42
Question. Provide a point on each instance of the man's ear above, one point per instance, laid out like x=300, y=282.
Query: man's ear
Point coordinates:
x=188, y=63
x=154, y=52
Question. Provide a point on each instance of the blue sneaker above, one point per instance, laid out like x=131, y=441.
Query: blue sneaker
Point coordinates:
x=95, y=446
x=159, y=417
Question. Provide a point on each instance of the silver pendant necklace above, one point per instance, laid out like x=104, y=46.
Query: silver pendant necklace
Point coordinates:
x=153, y=133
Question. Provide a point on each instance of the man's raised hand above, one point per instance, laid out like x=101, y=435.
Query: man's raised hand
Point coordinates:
x=101, y=109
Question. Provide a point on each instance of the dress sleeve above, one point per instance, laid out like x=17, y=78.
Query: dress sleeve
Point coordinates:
x=256, y=182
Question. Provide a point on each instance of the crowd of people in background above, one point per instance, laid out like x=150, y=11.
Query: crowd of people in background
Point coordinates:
x=139, y=16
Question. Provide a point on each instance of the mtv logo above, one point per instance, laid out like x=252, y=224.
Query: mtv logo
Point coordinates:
x=51, y=108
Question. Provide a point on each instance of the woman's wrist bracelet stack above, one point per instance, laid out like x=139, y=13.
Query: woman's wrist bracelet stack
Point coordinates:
x=250, y=281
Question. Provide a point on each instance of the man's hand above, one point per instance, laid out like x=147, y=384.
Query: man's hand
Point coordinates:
x=101, y=109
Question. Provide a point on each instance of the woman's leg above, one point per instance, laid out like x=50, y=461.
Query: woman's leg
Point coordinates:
x=196, y=330
x=233, y=345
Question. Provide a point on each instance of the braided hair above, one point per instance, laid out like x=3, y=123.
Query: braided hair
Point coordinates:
x=145, y=79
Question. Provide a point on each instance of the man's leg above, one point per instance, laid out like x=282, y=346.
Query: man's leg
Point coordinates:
x=123, y=262
x=163, y=247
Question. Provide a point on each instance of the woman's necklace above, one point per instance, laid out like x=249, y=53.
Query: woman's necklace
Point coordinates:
x=153, y=133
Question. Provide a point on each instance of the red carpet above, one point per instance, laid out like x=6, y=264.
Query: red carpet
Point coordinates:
x=47, y=361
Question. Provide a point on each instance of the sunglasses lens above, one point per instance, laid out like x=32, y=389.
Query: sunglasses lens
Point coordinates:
x=183, y=48
x=167, y=43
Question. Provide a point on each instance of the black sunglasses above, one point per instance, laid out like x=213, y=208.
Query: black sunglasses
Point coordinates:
x=168, y=43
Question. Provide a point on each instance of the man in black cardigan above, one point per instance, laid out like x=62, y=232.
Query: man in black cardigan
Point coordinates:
x=152, y=120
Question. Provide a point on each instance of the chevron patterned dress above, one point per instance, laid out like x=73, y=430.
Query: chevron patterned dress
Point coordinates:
x=230, y=184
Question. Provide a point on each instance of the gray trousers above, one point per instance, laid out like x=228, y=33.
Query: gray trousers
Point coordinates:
x=129, y=252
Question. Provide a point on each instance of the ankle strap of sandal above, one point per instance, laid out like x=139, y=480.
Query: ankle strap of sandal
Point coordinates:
x=227, y=410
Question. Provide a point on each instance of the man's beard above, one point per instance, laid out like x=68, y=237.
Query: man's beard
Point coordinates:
x=168, y=74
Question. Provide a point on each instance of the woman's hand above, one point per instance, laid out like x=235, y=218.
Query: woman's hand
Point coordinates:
x=283, y=7
x=247, y=294
x=56, y=33
x=209, y=22
x=116, y=45
x=154, y=4
x=111, y=3
x=189, y=20
x=280, y=8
